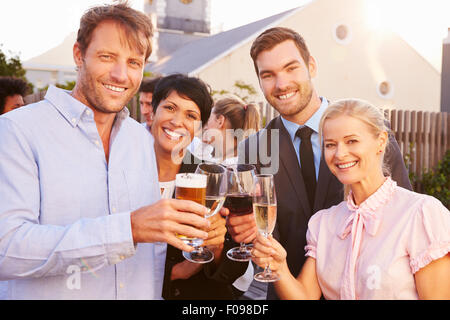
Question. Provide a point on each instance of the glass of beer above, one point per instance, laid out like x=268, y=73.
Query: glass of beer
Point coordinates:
x=239, y=202
x=190, y=186
x=265, y=211
x=216, y=190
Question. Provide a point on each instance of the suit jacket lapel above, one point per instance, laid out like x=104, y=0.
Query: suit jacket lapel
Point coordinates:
x=288, y=159
x=323, y=181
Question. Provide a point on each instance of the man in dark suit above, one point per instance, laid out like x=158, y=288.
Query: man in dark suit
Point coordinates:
x=289, y=146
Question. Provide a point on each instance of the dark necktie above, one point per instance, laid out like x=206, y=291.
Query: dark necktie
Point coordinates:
x=307, y=163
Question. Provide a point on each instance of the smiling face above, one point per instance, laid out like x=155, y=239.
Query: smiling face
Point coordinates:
x=175, y=123
x=352, y=151
x=285, y=78
x=110, y=71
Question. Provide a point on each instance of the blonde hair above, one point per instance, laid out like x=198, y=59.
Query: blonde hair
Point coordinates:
x=372, y=116
x=240, y=115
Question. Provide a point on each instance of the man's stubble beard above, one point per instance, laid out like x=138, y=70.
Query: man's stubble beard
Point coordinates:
x=95, y=100
x=305, y=91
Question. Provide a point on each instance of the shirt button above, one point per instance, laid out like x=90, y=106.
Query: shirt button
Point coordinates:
x=121, y=285
x=122, y=257
x=88, y=112
x=113, y=209
x=97, y=143
x=74, y=120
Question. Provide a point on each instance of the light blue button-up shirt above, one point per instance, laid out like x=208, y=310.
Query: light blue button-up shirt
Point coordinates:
x=312, y=123
x=65, y=229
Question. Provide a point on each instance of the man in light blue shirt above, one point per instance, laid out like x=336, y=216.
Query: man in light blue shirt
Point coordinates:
x=79, y=200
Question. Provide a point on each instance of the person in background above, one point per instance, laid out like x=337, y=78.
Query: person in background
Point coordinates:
x=181, y=104
x=145, y=100
x=231, y=121
x=12, y=92
x=304, y=184
x=383, y=241
x=80, y=205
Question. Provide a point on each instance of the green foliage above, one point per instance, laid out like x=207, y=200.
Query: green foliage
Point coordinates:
x=69, y=85
x=244, y=91
x=147, y=74
x=436, y=181
x=12, y=67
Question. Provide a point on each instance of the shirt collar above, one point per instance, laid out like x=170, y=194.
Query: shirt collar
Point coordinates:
x=312, y=122
x=70, y=108
x=375, y=200
x=369, y=209
x=74, y=110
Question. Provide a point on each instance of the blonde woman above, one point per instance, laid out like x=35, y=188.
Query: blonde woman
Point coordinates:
x=382, y=241
x=231, y=121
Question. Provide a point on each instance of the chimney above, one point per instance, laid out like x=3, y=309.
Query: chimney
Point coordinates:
x=445, y=75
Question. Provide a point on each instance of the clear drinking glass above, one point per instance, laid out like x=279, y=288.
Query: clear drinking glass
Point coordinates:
x=239, y=202
x=191, y=186
x=265, y=211
x=216, y=190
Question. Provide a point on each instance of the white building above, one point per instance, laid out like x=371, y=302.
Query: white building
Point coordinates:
x=353, y=59
x=53, y=66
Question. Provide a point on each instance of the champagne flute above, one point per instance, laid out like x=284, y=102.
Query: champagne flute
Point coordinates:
x=265, y=210
x=239, y=202
x=216, y=189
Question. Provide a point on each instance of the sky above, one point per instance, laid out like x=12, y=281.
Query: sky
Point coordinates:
x=30, y=27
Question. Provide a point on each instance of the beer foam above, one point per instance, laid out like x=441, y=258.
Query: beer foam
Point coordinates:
x=190, y=180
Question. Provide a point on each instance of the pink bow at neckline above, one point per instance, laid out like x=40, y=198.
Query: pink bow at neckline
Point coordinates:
x=370, y=220
x=366, y=216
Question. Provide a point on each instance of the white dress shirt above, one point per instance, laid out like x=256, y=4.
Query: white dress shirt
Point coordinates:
x=65, y=230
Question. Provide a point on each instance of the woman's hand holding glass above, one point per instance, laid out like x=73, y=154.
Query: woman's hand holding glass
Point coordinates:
x=217, y=231
x=268, y=251
x=265, y=210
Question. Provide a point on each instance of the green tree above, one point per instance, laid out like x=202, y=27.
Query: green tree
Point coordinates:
x=69, y=85
x=12, y=67
x=243, y=90
x=436, y=183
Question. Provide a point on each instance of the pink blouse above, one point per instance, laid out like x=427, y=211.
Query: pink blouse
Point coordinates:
x=372, y=251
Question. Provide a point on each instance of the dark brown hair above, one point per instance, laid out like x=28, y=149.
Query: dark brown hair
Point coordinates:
x=148, y=84
x=191, y=88
x=274, y=36
x=133, y=22
x=10, y=86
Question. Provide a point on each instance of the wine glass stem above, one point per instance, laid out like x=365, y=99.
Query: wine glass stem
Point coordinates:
x=242, y=246
x=267, y=270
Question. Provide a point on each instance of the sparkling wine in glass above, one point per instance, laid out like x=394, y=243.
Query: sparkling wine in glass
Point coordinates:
x=265, y=210
x=239, y=202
